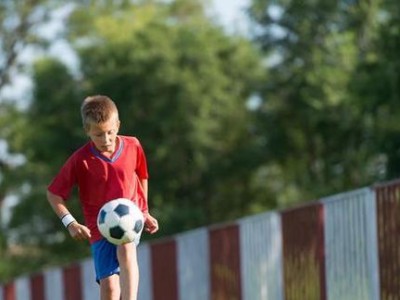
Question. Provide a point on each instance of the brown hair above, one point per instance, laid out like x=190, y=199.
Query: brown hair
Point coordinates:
x=97, y=109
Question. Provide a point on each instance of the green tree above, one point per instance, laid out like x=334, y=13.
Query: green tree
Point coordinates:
x=317, y=137
x=49, y=132
x=376, y=88
x=19, y=21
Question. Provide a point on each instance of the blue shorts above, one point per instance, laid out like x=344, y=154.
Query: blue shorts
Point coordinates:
x=105, y=258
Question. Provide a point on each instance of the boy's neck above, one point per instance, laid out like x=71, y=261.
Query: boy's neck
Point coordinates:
x=109, y=154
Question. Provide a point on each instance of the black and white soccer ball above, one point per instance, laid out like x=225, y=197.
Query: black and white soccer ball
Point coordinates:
x=120, y=221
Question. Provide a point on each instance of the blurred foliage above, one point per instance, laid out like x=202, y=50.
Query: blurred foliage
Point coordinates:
x=19, y=33
x=320, y=125
x=19, y=20
x=305, y=107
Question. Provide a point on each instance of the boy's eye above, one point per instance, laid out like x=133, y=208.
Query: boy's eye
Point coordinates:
x=111, y=132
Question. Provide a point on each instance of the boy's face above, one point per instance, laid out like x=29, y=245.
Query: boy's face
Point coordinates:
x=104, y=135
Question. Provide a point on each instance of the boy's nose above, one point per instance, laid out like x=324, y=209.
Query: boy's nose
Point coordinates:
x=105, y=138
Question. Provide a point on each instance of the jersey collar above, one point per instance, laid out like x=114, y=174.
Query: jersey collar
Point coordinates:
x=113, y=158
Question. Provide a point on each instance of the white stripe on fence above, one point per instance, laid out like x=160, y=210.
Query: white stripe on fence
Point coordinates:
x=261, y=257
x=53, y=283
x=22, y=288
x=351, y=254
x=91, y=289
x=145, y=277
x=193, y=265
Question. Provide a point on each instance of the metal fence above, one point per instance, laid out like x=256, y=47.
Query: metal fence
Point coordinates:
x=351, y=246
x=342, y=247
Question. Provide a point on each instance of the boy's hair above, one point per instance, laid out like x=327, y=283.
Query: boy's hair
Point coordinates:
x=97, y=109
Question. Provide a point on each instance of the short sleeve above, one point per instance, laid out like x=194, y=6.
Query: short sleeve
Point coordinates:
x=65, y=180
x=141, y=167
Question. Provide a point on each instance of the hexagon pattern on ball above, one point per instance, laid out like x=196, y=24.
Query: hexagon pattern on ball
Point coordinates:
x=120, y=221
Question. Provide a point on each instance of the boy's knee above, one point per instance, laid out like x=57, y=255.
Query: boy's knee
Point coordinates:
x=126, y=253
x=110, y=285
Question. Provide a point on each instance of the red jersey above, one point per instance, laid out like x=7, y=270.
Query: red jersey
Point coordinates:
x=100, y=179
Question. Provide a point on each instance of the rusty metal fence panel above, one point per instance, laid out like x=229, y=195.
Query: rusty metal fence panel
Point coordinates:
x=388, y=209
x=225, y=263
x=193, y=265
x=9, y=291
x=303, y=253
x=261, y=257
x=164, y=272
x=351, y=255
x=37, y=287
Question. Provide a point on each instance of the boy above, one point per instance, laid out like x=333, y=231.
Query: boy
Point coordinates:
x=109, y=166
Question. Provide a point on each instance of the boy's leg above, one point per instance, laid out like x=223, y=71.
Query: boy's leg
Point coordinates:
x=129, y=271
x=107, y=269
x=109, y=288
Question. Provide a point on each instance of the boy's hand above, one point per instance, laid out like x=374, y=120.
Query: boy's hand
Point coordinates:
x=150, y=224
x=79, y=232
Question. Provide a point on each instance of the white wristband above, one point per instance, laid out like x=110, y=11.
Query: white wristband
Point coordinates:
x=67, y=220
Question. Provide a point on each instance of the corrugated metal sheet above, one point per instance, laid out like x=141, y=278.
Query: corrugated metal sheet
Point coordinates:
x=388, y=209
x=9, y=291
x=54, y=284
x=303, y=253
x=145, y=281
x=164, y=271
x=37, y=286
x=22, y=289
x=351, y=255
x=193, y=265
x=343, y=247
x=72, y=282
x=225, y=263
x=91, y=289
x=261, y=257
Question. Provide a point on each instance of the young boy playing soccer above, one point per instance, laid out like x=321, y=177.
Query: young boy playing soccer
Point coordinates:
x=109, y=166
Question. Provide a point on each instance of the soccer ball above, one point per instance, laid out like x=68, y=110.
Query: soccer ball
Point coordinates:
x=120, y=221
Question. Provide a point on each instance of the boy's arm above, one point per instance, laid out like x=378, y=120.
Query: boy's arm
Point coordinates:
x=151, y=223
x=145, y=186
x=76, y=230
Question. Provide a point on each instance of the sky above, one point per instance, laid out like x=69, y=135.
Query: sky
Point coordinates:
x=232, y=14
